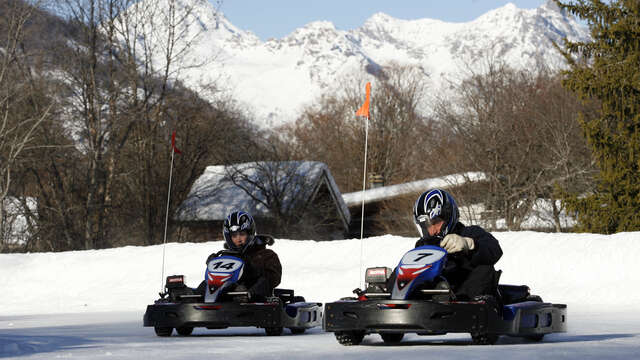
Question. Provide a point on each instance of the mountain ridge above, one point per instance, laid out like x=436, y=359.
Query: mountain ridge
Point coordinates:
x=275, y=79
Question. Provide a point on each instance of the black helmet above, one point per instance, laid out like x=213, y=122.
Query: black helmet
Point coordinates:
x=434, y=205
x=235, y=222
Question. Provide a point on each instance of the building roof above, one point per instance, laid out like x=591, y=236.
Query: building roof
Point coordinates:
x=222, y=189
x=392, y=191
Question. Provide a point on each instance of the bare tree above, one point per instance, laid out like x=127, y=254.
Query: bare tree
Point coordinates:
x=20, y=113
x=121, y=69
x=520, y=128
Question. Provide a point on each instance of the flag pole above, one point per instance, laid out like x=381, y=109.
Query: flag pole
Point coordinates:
x=364, y=182
x=364, y=111
x=166, y=218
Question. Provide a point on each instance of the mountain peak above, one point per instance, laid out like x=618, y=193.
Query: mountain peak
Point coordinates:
x=313, y=30
x=551, y=6
x=320, y=25
x=503, y=13
x=380, y=17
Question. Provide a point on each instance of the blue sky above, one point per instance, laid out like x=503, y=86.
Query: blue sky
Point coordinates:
x=277, y=18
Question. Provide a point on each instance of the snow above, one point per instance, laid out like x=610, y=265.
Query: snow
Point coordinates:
x=89, y=304
x=592, y=335
x=582, y=270
x=391, y=191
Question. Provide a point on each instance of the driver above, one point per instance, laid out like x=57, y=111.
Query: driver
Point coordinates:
x=262, y=271
x=474, y=251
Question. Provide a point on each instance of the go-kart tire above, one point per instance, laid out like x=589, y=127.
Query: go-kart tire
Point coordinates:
x=273, y=331
x=535, y=298
x=391, y=338
x=349, y=338
x=484, y=339
x=536, y=338
x=297, y=299
x=185, y=330
x=297, y=330
x=163, y=331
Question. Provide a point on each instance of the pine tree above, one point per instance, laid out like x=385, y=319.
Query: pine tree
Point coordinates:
x=606, y=69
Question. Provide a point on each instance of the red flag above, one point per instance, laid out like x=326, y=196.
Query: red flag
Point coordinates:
x=173, y=143
x=364, y=109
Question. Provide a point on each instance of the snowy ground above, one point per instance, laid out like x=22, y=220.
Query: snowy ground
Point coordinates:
x=89, y=304
x=604, y=335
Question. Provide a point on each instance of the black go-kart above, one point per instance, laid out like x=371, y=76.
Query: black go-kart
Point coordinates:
x=421, y=301
x=184, y=308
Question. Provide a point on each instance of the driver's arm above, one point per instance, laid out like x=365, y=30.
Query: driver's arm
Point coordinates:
x=487, y=250
x=270, y=274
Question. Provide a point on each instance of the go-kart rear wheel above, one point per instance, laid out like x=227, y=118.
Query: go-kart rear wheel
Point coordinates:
x=536, y=337
x=391, y=338
x=163, y=331
x=273, y=331
x=484, y=339
x=349, y=338
x=297, y=330
x=185, y=330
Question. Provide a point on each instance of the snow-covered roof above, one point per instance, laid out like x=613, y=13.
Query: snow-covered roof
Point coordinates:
x=392, y=191
x=222, y=189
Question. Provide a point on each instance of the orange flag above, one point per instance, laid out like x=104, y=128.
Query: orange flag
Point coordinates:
x=364, y=109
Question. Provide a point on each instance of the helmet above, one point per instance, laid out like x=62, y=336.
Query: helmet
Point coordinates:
x=235, y=222
x=434, y=205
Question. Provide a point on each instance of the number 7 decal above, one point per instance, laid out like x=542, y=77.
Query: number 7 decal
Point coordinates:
x=422, y=256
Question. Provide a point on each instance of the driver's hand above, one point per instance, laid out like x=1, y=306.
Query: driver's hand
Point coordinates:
x=454, y=243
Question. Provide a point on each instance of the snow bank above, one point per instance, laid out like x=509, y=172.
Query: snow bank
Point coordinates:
x=582, y=270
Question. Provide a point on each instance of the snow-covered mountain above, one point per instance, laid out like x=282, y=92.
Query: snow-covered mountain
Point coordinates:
x=275, y=78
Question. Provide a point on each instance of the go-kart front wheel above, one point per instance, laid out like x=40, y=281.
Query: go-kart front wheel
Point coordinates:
x=484, y=339
x=391, y=338
x=536, y=337
x=163, y=331
x=185, y=330
x=297, y=330
x=349, y=338
x=273, y=331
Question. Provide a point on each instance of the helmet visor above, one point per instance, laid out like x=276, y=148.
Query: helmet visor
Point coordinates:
x=424, y=222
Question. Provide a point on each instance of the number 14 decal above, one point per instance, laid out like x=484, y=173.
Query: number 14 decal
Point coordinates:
x=221, y=265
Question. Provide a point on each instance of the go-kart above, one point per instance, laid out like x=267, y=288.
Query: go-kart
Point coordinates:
x=421, y=301
x=183, y=308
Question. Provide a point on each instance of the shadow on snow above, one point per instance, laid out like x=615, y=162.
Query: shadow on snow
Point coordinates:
x=505, y=340
x=24, y=345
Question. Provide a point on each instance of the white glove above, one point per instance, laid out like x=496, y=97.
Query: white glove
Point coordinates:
x=454, y=243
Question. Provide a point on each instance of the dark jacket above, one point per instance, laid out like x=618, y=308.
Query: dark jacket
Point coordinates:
x=486, y=249
x=262, y=270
